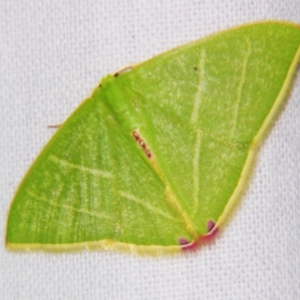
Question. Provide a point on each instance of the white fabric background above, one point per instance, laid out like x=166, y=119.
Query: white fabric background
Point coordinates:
x=53, y=53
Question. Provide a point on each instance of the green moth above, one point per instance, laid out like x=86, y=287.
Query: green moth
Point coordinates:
x=155, y=159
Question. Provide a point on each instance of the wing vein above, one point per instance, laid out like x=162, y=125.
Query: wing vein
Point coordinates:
x=240, y=87
x=201, y=87
x=148, y=206
x=65, y=163
x=196, y=174
x=70, y=207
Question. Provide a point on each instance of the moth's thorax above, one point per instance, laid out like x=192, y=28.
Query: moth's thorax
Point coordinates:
x=121, y=101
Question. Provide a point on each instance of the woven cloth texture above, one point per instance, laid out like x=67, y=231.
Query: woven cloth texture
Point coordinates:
x=52, y=55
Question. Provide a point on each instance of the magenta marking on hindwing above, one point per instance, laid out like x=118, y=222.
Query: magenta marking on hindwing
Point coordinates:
x=183, y=241
x=211, y=233
x=210, y=225
x=142, y=144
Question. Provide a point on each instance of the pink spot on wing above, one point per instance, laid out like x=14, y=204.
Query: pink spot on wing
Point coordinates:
x=212, y=231
x=183, y=241
x=142, y=144
x=210, y=235
x=210, y=225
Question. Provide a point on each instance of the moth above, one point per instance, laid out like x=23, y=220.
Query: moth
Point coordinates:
x=155, y=159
